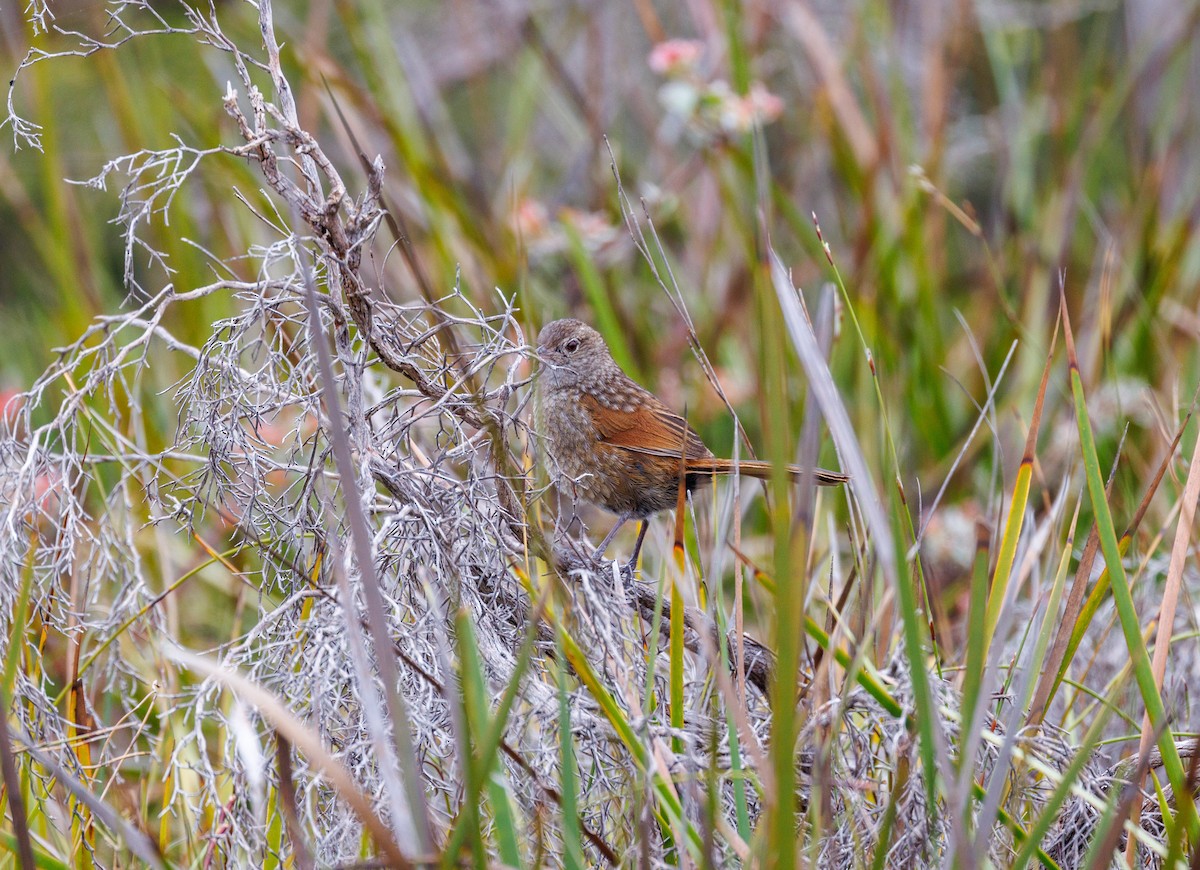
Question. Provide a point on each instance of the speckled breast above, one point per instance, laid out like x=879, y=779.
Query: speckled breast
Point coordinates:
x=587, y=469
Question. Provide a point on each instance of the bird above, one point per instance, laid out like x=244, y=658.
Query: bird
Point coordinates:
x=613, y=442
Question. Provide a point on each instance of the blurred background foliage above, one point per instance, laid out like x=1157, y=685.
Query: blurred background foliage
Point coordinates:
x=962, y=159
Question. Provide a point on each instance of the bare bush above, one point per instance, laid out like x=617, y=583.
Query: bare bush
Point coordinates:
x=105, y=517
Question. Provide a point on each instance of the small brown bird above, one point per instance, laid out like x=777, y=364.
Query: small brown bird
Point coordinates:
x=612, y=442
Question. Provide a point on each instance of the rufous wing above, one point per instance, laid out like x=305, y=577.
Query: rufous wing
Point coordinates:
x=651, y=429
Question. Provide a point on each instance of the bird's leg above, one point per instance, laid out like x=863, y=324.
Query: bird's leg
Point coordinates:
x=637, y=548
x=612, y=533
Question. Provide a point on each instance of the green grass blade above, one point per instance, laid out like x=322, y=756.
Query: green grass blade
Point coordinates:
x=1130, y=623
x=569, y=778
x=1016, y=509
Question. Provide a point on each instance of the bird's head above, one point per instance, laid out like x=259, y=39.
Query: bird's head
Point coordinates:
x=572, y=353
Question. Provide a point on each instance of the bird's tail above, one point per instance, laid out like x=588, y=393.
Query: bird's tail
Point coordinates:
x=762, y=470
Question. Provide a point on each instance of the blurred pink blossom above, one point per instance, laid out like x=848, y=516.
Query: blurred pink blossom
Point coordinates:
x=739, y=114
x=11, y=402
x=712, y=109
x=766, y=105
x=594, y=228
x=675, y=56
x=531, y=221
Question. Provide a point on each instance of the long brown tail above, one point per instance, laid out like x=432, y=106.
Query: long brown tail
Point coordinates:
x=762, y=470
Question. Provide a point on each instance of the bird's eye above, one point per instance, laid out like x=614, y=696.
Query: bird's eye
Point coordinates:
x=571, y=346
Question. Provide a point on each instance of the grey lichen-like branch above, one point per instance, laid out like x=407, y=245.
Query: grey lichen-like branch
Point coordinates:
x=238, y=490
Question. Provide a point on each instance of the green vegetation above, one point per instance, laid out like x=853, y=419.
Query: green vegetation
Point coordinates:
x=283, y=581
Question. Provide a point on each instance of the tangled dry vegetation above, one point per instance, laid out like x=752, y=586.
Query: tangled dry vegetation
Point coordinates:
x=421, y=660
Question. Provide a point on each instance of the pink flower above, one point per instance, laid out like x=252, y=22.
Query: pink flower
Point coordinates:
x=675, y=56
x=593, y=228
x=45, y=491
x=531, y=220
x=766, y=105
x=740, y=114
x=11, y=402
